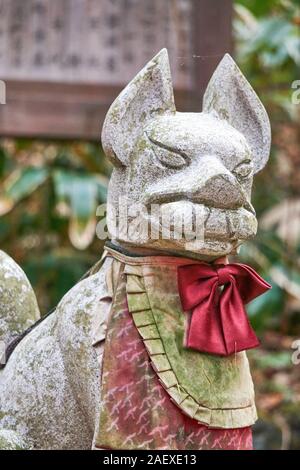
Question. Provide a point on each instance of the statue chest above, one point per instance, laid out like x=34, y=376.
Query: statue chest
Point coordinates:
x=155, y=392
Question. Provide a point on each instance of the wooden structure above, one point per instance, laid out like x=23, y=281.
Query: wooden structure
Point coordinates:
x=64, y=61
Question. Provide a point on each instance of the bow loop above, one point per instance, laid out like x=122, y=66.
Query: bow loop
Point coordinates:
x=190, y=282
x=219, y=323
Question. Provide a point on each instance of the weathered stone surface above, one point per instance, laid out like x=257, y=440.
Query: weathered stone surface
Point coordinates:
x=174, y=159
x=49, y=389
x=9, y=440
x=18, y=305
x=230, y=96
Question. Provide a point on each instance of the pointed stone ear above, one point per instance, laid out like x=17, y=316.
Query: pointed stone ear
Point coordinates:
x=150, y=93
x=231, y=96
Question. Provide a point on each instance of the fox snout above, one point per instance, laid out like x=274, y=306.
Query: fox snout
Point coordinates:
x=200, y=161
x=206, y=181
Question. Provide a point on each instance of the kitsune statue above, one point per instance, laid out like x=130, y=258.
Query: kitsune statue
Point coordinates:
x=148, y=351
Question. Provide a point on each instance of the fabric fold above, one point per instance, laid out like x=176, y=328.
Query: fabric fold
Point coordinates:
x=216, y=295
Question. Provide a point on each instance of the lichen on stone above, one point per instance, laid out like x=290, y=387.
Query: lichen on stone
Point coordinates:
x=18, y=304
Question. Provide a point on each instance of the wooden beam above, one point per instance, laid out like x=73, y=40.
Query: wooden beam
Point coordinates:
x=60, y=110
x=62, y=83
x=212, y=39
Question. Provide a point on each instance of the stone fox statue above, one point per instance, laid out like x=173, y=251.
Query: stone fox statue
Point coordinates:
x=148, y=351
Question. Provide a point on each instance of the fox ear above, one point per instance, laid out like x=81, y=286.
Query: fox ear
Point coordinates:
x=148, y=94
x=231, y=96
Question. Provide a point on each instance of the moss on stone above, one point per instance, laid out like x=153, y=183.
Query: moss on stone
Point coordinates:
x=18, y=304
x=10, y=440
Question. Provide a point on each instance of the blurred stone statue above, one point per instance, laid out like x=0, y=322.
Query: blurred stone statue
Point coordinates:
x=182, y=390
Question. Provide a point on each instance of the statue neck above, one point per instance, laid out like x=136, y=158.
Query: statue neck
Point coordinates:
x=134, y=250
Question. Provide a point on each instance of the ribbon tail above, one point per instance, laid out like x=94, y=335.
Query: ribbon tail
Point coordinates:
x=205, y=332
x=237, y=331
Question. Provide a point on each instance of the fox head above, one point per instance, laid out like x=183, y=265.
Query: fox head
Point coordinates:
x=186, y=163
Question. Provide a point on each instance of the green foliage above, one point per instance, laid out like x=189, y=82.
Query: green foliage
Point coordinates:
x=268, y=52
x=23, y=182
x=274, y=360
x=265, y=310
x=268, y=49
x=49, y=192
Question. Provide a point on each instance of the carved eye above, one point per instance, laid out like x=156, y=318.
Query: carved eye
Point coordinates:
x=243, y=170
x=171, y=158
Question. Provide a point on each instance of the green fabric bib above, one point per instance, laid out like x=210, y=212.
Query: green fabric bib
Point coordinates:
x=214, y=390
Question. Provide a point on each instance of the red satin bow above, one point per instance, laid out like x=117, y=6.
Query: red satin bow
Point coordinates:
x=219, y=324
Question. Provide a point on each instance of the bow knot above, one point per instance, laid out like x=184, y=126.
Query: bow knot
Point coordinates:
x=218, y=322
x=223, y=275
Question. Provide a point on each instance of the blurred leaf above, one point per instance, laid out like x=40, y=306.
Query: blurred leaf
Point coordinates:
x=21, y=183
x=62, y=180
x=81, y=232
x=83, y=201
x=63, y=270
x=62, y=209
x=274, y=58
x=102, y=183
x=83, y=197
x=259, y=7
x=274, y=360
x=269, y=401
x=266, y=309
x=284, y=220
x=292, y=45
x=78, y=196
x=80, y=193
x=287, y=278
x=4, y=229
x=3, y=160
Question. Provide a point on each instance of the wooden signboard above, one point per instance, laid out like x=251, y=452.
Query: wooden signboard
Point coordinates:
x=64, y=61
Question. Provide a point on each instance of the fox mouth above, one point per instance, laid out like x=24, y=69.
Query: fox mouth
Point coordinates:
x=216, y=224
x=230, y=224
